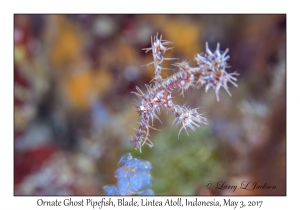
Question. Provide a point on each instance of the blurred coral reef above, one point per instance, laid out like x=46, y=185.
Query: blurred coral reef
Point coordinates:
x=74, y=113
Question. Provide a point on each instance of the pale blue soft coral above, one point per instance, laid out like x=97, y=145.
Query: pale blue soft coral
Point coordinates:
x=133, y=176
